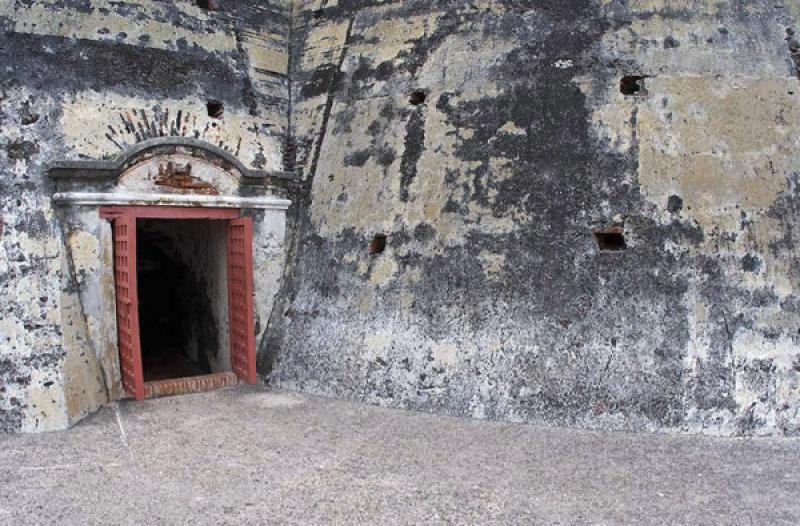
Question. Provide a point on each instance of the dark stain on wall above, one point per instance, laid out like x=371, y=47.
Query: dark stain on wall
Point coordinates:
x=21, y=149
x=414, y=145
x=103, y=65
x=11, y=413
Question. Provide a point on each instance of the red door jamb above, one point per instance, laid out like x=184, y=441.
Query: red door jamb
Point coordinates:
x=240, y=299
x=130, y=352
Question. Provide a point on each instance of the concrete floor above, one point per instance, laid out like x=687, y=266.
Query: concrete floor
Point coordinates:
x=249, y=456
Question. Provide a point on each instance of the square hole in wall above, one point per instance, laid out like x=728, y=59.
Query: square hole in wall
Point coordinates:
x=378, y=244
x=417, y=97
x=215, y=109
x=610, y=239
x=632, y=85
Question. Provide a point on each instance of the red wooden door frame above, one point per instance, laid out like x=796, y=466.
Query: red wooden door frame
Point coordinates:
x=127, y=305
x=240, y=299
x=239, y=262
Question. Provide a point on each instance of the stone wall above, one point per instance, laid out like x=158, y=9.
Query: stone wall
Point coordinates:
x=488, y=140
x=492, y=298
x=86, y=79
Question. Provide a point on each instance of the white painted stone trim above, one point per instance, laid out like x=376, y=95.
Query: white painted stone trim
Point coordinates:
x=209, y=201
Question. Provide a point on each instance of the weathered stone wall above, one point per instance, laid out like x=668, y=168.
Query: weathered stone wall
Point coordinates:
x=87, y=79
x=492, y=298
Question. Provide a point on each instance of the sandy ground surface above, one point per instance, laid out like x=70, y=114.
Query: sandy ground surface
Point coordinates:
x=247, y=455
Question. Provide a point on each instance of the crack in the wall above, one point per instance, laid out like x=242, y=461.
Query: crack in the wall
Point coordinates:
x=75, y=290
x=414, y=146
x=331, y=92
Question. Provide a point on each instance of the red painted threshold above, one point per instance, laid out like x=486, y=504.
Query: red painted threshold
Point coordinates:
x=191, y=384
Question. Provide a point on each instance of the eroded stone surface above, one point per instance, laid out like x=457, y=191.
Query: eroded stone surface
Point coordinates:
x=488, y=140
x=492, y=298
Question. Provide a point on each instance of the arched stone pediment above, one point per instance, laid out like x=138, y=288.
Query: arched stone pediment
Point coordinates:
x=169, y=170
x=104, y=171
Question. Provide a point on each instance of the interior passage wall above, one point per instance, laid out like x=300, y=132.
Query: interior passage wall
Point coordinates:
x=86, y=79
x=492, y=297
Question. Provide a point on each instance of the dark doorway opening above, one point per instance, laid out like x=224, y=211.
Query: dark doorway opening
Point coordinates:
x=182, y=297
